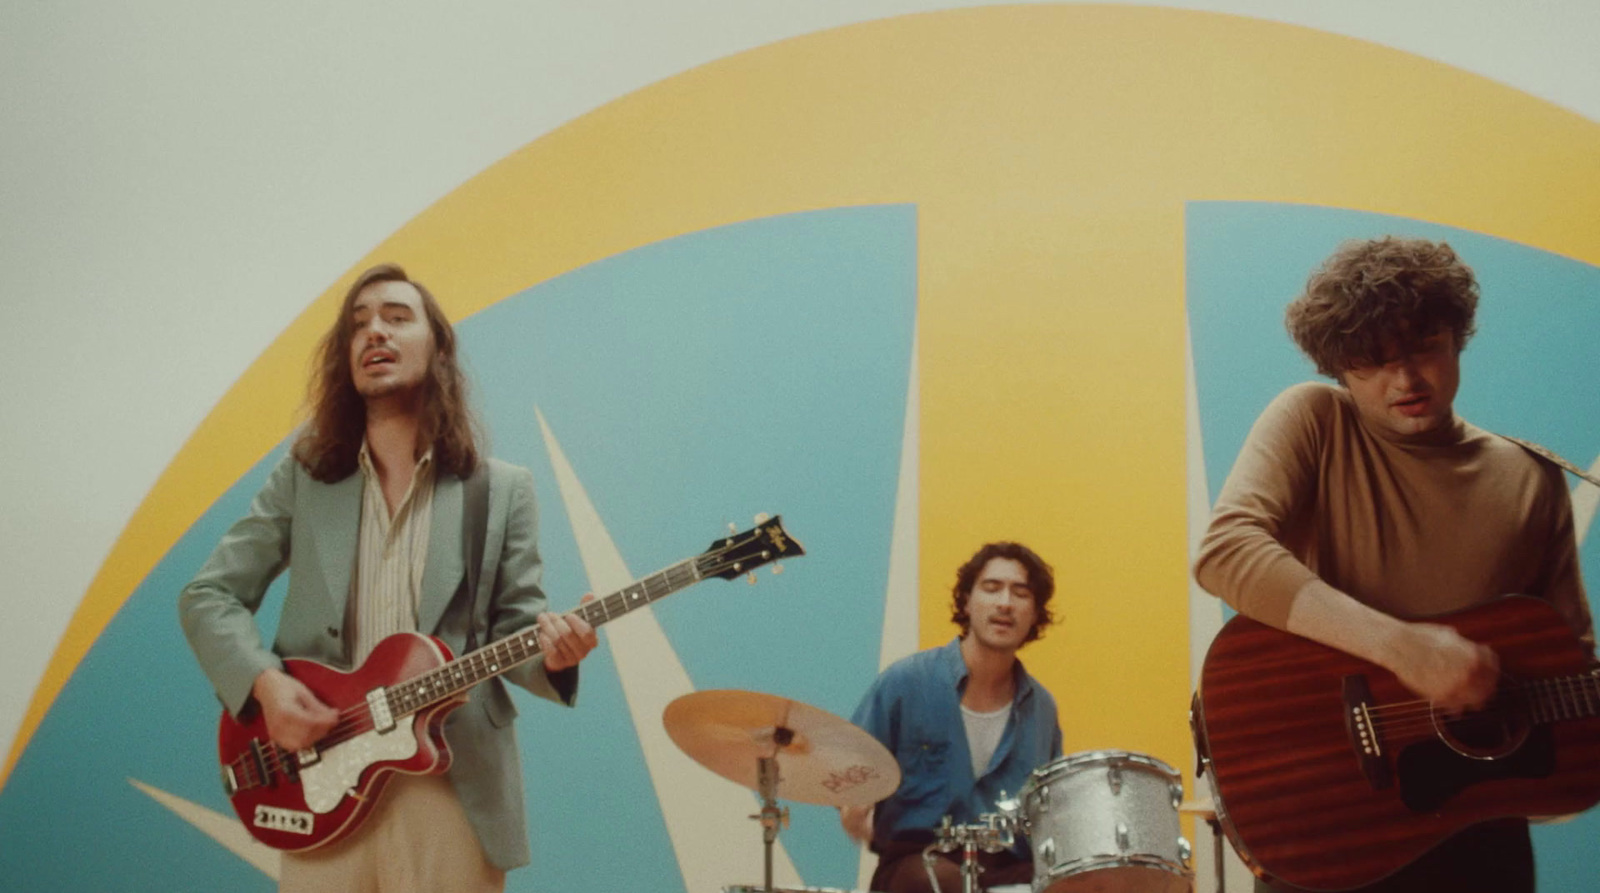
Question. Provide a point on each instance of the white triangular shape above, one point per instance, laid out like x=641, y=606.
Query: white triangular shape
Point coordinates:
x=224, y=829
x=707, y=817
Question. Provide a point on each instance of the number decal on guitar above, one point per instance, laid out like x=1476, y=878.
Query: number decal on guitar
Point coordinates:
x=292, y=821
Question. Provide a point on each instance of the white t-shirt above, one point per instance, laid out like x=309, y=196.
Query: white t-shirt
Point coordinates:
x=983, y=734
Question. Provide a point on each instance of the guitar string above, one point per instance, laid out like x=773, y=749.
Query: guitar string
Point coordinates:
x=1560, y=693
x=1540, y=700
x=356, y=720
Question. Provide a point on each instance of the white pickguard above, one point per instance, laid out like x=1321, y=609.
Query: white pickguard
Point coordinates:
x=327, y=782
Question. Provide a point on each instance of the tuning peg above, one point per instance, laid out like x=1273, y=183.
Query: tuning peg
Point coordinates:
x=777, y=569
x=762, y=517
x=752, y=578
x=732, y=527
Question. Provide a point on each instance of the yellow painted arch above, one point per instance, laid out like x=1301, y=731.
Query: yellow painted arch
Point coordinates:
x=1049, y=151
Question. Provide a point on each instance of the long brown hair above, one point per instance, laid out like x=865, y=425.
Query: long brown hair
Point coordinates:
x=331, y=441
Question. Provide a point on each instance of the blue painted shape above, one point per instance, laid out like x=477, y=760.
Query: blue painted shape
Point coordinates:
x=1529, y=371
x=760, y=366
x=136, y=707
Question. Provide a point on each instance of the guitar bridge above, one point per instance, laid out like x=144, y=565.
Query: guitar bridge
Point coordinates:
x=258, y=762
x=1364, y=738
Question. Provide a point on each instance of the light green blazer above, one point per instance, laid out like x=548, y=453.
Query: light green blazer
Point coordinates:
x=310, y=529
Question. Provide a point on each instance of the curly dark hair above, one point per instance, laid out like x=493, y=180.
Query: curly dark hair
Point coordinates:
x=1041, y=579
x=331, y=442
x=1373, y=298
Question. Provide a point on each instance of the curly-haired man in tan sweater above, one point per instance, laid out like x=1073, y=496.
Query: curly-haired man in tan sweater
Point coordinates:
x=1356, y=505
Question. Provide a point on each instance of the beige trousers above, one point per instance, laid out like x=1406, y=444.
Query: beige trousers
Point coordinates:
x=416, y=840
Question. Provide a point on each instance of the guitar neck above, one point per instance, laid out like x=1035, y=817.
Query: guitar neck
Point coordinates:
x=1559, y=697
x=496, y=658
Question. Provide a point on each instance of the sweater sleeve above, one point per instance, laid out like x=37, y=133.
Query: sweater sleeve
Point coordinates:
x=1243, y=559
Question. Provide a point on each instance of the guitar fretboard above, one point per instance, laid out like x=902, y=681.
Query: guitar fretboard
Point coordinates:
x=1560, y=697
x=491, y=660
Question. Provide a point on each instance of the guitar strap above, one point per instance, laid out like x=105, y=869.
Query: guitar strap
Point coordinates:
x=1551, y=456
x=474, y=530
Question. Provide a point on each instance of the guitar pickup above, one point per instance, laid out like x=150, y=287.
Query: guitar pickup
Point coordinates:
x=1364, y=739
x=378, y=706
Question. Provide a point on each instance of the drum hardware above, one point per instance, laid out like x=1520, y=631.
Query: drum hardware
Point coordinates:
x=1206, y=808
x=1207, y=811
x=771, y=817
x=781, y=748
x=993, y=833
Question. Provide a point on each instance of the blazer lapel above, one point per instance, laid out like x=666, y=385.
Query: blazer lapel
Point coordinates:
x=444, y=569
x=335, y=515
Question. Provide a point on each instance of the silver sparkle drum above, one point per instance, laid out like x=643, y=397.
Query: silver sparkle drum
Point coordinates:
x=1106, y=821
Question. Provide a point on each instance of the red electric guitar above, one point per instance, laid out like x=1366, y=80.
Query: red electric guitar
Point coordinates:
x=1329, y=774
x=393, y=707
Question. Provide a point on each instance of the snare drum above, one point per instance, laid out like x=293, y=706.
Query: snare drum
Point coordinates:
x=1106, y=821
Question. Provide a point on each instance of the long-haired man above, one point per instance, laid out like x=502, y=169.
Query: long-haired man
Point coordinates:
x=366, y=514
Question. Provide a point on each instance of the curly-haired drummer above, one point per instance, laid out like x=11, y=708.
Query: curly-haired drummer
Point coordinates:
x=1356, y=504
x=965, y=721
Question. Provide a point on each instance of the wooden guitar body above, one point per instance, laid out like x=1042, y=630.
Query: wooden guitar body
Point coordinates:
x=1279, y=722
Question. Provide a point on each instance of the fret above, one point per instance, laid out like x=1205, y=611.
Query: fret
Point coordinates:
x=1536, y=701
x=495, y=658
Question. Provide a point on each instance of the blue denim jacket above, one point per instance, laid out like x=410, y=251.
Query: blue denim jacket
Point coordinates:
x=914, y=709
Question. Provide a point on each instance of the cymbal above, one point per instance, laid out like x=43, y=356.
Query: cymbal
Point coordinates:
x=821, y=758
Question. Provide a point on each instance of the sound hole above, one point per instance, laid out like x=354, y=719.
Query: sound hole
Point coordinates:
x=1486, y=734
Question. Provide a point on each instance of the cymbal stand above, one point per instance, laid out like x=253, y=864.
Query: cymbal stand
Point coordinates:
x=771, y=817
x=1217, y=853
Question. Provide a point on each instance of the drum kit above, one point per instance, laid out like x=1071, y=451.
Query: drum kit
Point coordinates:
x=1103, y=821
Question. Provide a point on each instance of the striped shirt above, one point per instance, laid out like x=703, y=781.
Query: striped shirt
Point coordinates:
x=390, y=556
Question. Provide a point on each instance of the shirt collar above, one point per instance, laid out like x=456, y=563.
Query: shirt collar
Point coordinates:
x=955, y=669
x=364, y=461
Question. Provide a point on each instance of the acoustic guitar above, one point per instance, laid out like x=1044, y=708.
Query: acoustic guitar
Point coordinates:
x=1329, y=774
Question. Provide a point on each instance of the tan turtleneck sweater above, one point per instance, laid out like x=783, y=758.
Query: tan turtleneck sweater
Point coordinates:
x=1411, y=526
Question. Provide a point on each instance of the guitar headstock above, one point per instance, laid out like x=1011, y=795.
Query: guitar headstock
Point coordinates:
x=741, y=553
